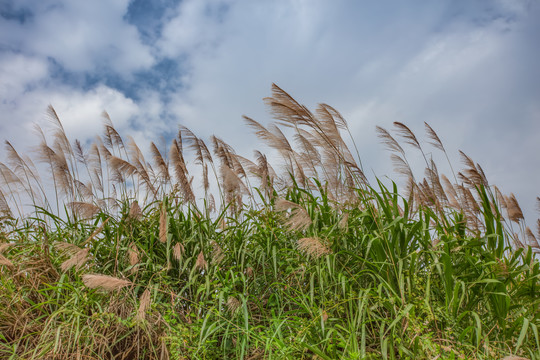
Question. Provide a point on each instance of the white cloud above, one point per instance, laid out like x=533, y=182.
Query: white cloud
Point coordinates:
x=26, y=92
x=18, y=71
x=80, y=35
x=455, y=66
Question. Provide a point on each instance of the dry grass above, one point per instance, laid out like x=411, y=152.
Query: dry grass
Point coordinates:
x=144, y=304
x=313, y=202
x=201, y=263
x=104, y=282
x=78, y=260
x=298, y=219
x=313, y=247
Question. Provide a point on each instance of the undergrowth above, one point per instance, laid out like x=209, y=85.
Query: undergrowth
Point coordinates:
x=308, y=260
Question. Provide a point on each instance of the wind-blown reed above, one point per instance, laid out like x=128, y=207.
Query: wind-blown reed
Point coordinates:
x=300, y=256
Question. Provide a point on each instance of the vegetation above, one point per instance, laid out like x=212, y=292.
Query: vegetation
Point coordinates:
x=123, y=258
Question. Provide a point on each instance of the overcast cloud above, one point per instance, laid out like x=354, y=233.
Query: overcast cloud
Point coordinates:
x=469, y=68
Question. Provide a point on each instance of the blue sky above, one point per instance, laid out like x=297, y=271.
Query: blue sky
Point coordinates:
x=469, y=68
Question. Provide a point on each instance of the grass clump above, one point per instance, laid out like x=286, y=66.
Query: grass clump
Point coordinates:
x=301, y=259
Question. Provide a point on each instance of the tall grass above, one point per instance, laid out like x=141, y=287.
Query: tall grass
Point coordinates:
x=298, y=257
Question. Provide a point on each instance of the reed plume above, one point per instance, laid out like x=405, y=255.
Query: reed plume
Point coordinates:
x=313, y=247
x=406, y=133
x=178, y=250
x=104, y=282
x=144, y=304
x=180, y=171
x=163, y=224
x=298, y=219
x=111, y=137
x=514, y=210
x=135, y=212
x=432, y=135
x=84, y=210
x=5, y=262
x=5, y=246
x=133, y=254
x=201, y=263
x=233, y=304
x=78, y=260
x=162, y=166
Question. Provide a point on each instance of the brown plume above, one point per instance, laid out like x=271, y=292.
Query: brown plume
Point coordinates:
x=104, y=282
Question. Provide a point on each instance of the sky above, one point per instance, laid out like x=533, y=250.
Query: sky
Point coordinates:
x=467, y=67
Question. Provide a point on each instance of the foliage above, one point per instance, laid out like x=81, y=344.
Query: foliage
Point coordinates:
x=315, y=263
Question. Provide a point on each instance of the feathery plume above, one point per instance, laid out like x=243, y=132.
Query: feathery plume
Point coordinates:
x=163, y=228
x=5, y=210
x=432, y=135
x=122, y=166
x=83, y=209
x=260, y=131
x=104, y=282
x=61, y=142
x=500, y=197
x=325, y=110
x=406, y=133
x=5, y=246
x=217, y=253
x=401, y=166
x=343, y=223
x=467, y=160
x=450, y=192
x=531, y=239
x=206, y=182
x=144, y=304
x=233, y=304
x=313, y=247
x=389, y=141
x=514, y=210
x=299, y=218
x=5, y=261
x=84, y=190
x=329, y=121
x=78, y=260
x=287, y=110
x=111, y=136
x=163, y=168
x=79, y=152
x=201, y=263
x=538, y=228
x=67, y=248
x=178, y=250
x=483, y=176
x=181, y=172
x=133, y=254
x=135, y=211
x=197, y=145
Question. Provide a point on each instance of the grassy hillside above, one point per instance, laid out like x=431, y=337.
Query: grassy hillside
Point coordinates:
x=121, y=257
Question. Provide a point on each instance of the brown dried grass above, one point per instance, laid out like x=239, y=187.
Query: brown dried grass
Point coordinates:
x=201, y=263
x=104, y=282
x=313, y=247
x=163, y=226
x=78, y=260
x=144, y=303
